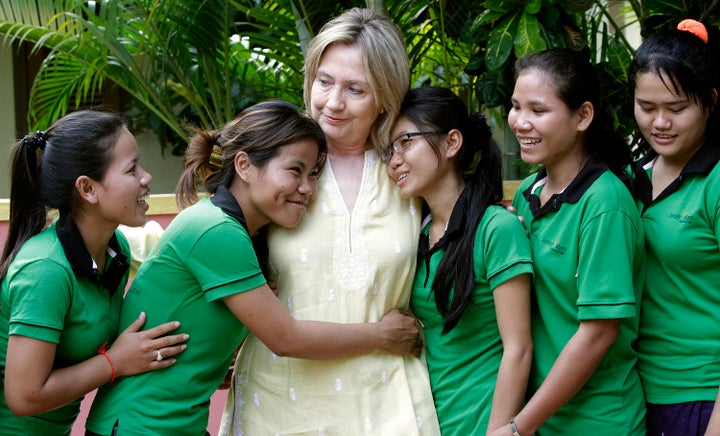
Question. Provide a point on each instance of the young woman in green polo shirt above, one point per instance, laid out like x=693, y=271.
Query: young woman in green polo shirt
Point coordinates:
x=676, y=78
x=588, y=252
x=260, y=169
x=63, y=285
x=472, y=285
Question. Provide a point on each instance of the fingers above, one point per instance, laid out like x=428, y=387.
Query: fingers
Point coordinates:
x=169, y=341
x=162, y=329
x=417, y=349
x=166, y=353
x=137, y=324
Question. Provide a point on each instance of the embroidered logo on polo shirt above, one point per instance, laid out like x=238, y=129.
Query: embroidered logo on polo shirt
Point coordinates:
x=554, y=245
x=682, y=218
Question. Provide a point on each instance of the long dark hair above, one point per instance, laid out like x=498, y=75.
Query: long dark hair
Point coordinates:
x=260, y=131
x=45, y=166
x=478, y=163
x=576, y=82
x=690, y=65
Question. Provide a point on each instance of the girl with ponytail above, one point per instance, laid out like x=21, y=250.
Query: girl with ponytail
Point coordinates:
x=261, y=168
x=63, y=283
x=472, y=285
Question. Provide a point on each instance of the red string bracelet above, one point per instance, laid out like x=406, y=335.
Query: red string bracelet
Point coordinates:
x=103, y=351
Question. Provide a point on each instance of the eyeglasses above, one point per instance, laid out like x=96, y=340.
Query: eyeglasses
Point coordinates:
x=403, y=142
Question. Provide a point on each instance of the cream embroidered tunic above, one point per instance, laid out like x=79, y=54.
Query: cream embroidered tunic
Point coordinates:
x=347, y=267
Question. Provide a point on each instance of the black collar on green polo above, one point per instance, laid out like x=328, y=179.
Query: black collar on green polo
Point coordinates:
x=581, y=183
x=228, y=204
x=83, y=264
x=701, y=163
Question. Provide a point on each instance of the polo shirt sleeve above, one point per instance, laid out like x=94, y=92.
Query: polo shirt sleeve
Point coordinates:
x=605, y=267
x=39, y=297
x=224, y=262
x=506, y=248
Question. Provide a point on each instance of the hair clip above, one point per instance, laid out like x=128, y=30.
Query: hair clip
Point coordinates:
x=216, y=157
x=695, y=27
x=35, y=141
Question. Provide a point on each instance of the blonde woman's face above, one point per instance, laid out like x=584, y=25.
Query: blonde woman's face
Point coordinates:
x=341, y=99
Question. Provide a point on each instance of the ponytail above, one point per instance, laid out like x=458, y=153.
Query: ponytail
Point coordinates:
x=483, y=187
x=203, y=160
x=27, y=211
x=478, y=163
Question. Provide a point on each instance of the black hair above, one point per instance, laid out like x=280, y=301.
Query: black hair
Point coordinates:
x=479, y=164
x=691, y=66
x=260, y=131
x=576, y=82
x=45, y=166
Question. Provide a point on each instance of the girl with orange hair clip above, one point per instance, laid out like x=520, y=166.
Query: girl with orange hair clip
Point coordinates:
x=675, y=79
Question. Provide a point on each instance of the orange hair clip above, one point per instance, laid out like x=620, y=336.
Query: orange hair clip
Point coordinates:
x=695, y=27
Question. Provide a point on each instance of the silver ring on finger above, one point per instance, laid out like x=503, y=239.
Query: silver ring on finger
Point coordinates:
x=159, y=356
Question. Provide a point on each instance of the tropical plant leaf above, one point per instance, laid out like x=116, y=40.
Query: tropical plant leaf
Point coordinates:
x=494, y=88
x=62, y=82
x=532, y=7
x=503, y=5
x=500, y=45
x=528, y=37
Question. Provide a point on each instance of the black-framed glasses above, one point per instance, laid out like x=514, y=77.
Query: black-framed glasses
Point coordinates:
x=403, y=142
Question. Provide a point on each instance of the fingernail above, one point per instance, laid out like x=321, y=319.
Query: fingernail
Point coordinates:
x=186, y=337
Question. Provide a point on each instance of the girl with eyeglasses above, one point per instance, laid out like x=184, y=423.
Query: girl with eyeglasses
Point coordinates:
x=472, y=284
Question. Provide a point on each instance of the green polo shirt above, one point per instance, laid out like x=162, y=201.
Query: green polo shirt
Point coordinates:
x=204, y=255
x=588, y=251
x=464, y=363
x=52, y=293
x=679, y=341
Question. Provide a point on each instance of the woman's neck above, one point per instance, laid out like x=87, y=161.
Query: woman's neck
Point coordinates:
x=560, y=176
x=339, y=151
x=441, y=203
x=96, y=236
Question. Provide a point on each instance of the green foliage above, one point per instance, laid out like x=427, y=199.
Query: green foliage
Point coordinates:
x=183, y=62
x=199, y=62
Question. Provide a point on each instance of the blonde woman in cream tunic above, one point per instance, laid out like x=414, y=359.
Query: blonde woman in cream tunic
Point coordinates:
x=352, y=259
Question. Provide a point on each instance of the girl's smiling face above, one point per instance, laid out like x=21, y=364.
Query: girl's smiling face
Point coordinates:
x=415, y=169
x=280, y=191
x=672, y=122
x=123, y=191
x=548, y=131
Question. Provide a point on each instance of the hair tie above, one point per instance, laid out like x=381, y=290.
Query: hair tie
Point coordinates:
x=216, y=157
x=695, y=27
x=35, y=141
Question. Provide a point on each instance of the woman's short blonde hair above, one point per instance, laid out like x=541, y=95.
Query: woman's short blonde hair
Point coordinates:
x=384, y=56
